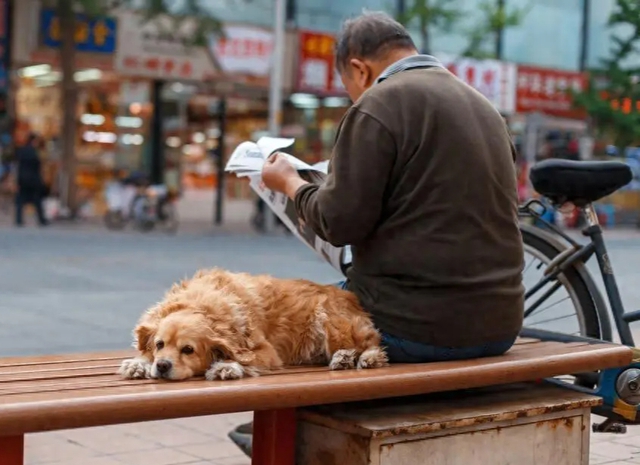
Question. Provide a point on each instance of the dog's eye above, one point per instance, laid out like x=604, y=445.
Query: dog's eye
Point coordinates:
x=187, y=350
x=159, y=345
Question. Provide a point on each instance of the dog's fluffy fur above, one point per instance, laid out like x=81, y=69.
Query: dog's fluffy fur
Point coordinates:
x=230, y=325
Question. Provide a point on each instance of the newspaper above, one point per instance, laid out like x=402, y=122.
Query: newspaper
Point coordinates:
x=248, y=159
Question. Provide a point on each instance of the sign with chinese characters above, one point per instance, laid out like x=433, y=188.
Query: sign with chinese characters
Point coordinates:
x=546, y=91
x=494, y=79
x=243, y=50
x=316, y=64
x=154, y=49
x=95, y=35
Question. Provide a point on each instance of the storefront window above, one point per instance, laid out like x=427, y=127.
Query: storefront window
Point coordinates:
x=314, y=121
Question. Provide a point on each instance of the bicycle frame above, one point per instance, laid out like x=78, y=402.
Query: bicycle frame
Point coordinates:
x=583, y=253
x=619, y=388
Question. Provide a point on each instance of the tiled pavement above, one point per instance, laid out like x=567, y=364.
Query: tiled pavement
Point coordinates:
x=192, y=441
x=203, y=440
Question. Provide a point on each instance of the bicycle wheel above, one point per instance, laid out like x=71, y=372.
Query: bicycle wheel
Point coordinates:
x=114, y=220
x=169, y=220
x=570, y=309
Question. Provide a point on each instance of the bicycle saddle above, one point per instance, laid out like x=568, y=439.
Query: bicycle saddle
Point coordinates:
x=578, y=182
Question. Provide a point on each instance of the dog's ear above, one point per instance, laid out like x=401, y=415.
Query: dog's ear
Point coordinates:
x=143, y=336
x=222, y=349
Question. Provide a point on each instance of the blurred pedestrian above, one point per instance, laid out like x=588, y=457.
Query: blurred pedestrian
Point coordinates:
x=31, y=186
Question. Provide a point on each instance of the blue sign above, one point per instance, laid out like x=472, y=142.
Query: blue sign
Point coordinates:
x=95, y=35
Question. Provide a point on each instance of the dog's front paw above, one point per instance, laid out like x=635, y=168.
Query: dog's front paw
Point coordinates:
x=374, y=357
x=343, y=359
x=225, y=370
x=135, y=368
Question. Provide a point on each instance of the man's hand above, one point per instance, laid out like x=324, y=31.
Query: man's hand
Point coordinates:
x=279, y=175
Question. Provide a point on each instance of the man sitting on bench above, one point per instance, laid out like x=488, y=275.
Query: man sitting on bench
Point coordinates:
x=422, y=185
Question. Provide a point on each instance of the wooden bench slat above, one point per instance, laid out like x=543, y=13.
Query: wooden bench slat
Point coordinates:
x=107, y=379
x=10, y=362
x=127, y=401
x=56, y=367
x=23, y=380
x=92, y=368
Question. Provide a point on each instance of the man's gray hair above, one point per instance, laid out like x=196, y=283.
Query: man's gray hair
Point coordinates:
x=371, y=35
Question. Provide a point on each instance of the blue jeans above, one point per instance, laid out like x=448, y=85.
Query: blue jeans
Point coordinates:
x=403, y=351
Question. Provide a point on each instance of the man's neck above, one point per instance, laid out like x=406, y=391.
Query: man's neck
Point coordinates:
x=390, y=59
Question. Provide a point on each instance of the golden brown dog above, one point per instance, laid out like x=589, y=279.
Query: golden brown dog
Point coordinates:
x=231, y=325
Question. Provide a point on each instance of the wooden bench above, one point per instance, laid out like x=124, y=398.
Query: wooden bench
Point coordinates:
x=75, y=391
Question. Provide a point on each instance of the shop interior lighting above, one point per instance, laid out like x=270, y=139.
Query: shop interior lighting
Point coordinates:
x=213, y=133
x=47, y=80
x=132, y=139
x=173, y=142
x=88, y=75
x=135, y=108
x=89, y=119
x=100, y=137
x=129, y=122
x=180, y=88
x=336, y=102
x=190, y=149
x=199, y=137
x=44, y=76
x=34, y=71
x=304, y=101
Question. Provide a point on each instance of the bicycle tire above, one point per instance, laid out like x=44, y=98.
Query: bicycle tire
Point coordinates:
x=575, y=283
x=170, y=221
x=114, y=220
x=593, y=318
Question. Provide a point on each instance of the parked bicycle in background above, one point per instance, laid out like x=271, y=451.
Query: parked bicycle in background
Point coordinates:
x=146, y=206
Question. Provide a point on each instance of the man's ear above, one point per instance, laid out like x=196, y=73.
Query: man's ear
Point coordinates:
x=360, y=72
x=143, y=336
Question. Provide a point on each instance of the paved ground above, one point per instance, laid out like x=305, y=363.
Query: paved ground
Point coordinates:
x=69, y=289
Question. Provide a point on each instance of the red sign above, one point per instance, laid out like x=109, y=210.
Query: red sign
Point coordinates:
x=316, y=64
x=546, y=90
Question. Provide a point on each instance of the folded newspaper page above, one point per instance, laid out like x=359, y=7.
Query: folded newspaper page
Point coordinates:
x=248, y=159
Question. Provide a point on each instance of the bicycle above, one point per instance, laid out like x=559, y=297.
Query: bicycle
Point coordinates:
x=146, y=206
x=563, y=262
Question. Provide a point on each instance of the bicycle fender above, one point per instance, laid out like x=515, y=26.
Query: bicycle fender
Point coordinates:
x=581, y=269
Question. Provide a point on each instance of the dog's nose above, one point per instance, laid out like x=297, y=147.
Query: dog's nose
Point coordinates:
x=163, y=366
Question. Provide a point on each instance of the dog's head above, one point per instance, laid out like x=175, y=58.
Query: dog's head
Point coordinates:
x=185, y=343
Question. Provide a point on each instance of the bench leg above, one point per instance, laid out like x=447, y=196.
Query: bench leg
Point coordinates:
x=274, y=437
x=12, y=450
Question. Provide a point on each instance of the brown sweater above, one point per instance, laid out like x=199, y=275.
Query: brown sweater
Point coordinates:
x=422, y=185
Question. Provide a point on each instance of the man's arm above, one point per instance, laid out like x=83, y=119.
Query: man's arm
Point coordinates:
x=347, y=207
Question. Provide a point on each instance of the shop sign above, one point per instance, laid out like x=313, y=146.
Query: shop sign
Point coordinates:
x=546, y=91
x=316, y=64
x=94, y=35
x=243, y=50
x=494, y=79
x=154, y=49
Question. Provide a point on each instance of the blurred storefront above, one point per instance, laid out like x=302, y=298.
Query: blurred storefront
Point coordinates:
x=118, y=60
x=37, y=97
x=546, y=124
x=494, y=79
x=313, y=112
